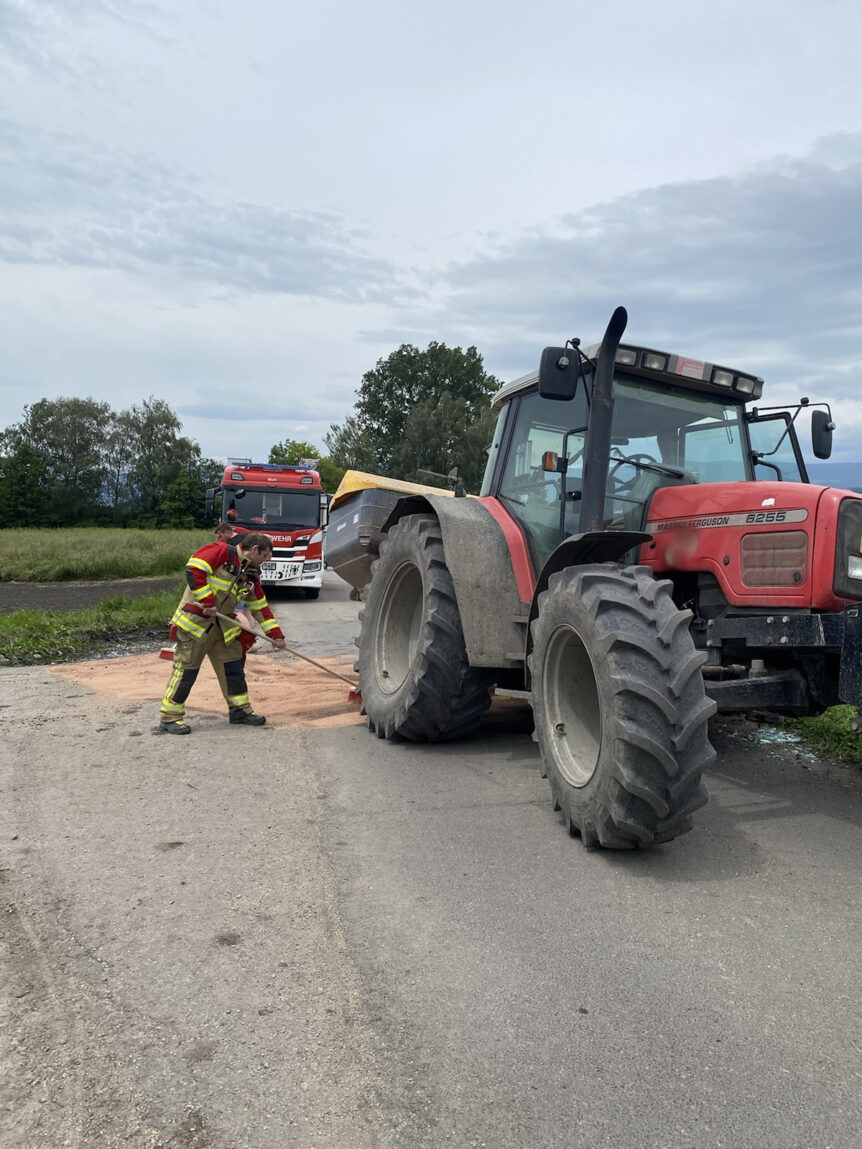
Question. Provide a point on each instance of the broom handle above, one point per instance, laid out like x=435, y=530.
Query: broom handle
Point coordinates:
x=290, y=650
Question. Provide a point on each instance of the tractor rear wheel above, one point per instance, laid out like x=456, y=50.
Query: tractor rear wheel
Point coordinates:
x=620, y=707
x=414, y=676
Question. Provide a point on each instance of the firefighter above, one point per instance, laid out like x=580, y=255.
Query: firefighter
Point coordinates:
x=225, y=533
x=220, y=575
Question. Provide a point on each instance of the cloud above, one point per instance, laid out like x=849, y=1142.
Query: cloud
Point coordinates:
x=222, y=405
x=64, y=204
x=35, y=34
x=761, y=270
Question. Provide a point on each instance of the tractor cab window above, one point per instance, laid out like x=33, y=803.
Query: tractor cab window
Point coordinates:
x=666, y=436
x=785, y=463
x=532, y=494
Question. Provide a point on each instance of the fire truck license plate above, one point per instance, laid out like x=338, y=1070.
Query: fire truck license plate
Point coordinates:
x=278, y=572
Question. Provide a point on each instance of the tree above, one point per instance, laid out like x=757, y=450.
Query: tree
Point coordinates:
x=119, y=457
x=25, y=489
x=76, y=460
x=291, y=451
x=184, y=502
x=439, y=437
x=159, y=453
x=351, y=446
x=69, y=437
x=418, y=405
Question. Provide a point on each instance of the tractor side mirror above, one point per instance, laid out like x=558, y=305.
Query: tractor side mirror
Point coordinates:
x=558, y=373
x=821, y=434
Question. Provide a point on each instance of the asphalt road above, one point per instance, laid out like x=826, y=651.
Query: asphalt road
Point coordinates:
x=294, y=938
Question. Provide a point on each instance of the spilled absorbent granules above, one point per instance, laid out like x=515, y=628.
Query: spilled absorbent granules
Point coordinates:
x=287, y=690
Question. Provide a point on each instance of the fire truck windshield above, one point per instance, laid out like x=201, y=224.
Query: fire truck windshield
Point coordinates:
x=286, y=509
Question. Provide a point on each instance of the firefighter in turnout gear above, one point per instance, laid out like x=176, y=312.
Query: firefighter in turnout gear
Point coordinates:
x=220, y=576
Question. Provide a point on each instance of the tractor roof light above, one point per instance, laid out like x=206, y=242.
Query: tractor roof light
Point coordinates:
x=653, y=361
x=626, y=357
x=682, y=367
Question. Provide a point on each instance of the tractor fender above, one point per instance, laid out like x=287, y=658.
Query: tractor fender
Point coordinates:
x=576, y=550
x=493, y=617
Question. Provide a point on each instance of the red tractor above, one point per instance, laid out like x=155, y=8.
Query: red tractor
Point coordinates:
x=646, y=549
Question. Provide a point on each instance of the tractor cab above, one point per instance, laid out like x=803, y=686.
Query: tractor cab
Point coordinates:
x=673, y=421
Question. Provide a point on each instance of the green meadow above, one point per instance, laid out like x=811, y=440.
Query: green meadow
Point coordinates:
x=103, y=553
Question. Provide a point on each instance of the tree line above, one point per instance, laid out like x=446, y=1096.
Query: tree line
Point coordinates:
x=73, y=462
x=418, y=415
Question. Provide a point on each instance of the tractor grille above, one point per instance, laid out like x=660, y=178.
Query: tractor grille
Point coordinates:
x=849, y=544
x=774, y=558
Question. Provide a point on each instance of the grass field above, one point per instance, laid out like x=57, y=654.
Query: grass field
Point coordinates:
x=29, y=637
x=102, y=553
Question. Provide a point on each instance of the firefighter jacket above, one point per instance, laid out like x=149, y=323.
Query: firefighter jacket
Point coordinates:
x=218, y=576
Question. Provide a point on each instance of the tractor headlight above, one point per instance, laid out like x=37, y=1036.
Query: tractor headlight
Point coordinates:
x=847, y=579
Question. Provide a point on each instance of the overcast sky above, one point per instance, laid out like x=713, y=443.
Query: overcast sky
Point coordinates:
x=240, y=207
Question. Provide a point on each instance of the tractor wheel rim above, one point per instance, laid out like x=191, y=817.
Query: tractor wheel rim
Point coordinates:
x=572, y=706
x=398, y=632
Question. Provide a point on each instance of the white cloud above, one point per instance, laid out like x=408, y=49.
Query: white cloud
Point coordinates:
x=240, y=209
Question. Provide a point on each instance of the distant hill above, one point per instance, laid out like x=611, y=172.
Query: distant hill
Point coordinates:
x=846, y=475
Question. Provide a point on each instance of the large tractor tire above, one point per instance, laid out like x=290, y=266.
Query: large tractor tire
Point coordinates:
x=620, y=707
x=414, y=676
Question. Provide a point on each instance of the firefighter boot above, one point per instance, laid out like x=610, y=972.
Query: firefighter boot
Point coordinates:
x=178, y=727
x=239, y=717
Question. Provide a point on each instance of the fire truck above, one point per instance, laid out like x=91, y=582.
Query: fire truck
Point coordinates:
x=285, y=502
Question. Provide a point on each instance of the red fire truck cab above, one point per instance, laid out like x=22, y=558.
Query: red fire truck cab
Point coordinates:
x=284, y=502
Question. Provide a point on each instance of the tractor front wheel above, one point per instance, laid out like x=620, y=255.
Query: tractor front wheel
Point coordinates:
x=619, y=704
x=414, y=676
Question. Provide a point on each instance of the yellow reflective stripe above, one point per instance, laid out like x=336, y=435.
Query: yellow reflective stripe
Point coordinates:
x=200, y=564
x=269, y=624
x=201, y=592
x=230, y=633
x=187, y=623
x=169, y=707
x=256, y=603
x=220, y=583
x=238, y=699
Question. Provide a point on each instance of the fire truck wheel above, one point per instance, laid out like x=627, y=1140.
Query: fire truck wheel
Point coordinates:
x=312, y=592
x=619, y=704
x=414, y=676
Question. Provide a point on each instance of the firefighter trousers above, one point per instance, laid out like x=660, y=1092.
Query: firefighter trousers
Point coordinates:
x=227, y=662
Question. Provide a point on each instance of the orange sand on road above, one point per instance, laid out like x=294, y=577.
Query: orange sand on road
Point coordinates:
x=288, y=691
